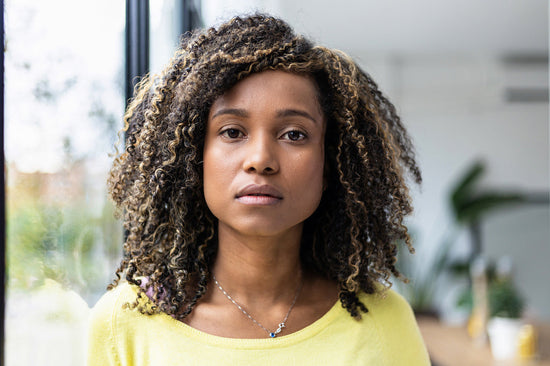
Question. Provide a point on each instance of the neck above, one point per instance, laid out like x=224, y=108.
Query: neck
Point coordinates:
x=259, y=270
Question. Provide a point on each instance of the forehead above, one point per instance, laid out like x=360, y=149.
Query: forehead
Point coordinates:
x=273, y=88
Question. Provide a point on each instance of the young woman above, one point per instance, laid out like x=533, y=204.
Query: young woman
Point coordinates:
x=263, y=192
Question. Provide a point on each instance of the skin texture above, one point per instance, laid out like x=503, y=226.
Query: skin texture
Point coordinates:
x=268, y=130
x=343, y=213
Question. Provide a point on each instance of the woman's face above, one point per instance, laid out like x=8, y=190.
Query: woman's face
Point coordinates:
x=264, y=154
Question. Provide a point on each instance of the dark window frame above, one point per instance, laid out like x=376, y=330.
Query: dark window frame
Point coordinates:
x=137, y=43
x=137, y=37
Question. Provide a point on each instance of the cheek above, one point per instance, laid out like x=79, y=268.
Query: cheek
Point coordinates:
x=213, y=170
x=213, y=176
x=310, y=173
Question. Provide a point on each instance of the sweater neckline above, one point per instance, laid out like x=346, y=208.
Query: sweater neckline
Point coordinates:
x=260, y=343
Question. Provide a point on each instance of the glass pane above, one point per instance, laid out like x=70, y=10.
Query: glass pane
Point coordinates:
x=165, y=32
x=64, y=71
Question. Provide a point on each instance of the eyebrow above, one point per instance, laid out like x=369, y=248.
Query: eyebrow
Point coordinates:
x=233, y=111
x=282, y=113
x=295, y=112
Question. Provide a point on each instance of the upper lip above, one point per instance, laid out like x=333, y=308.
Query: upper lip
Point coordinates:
x=263, y=190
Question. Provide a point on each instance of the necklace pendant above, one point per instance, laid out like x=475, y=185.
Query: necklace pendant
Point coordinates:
x=279, y=329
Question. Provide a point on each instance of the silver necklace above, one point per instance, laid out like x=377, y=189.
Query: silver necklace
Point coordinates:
x=281, y=324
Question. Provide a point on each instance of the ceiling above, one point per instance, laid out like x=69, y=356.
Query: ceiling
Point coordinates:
x=502, y=27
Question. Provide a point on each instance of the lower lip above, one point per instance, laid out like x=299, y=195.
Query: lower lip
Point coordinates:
x=258, y=200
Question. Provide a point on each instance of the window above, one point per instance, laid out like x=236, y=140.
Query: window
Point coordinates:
x=65, y=81
x=63, y=102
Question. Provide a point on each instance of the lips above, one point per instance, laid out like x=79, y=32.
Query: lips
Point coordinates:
x=255, y=190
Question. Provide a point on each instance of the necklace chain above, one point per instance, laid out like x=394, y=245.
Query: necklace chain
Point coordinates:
x=239, y=306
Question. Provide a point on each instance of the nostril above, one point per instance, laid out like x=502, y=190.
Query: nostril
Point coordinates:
x=261, y=163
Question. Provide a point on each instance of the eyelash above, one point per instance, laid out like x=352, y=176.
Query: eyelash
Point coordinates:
x=226, y=133
x=303, y=136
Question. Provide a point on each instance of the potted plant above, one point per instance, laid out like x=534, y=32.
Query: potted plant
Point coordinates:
x=506, y=307
x=469, y=203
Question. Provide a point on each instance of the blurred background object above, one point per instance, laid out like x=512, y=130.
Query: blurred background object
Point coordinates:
x=469, y=78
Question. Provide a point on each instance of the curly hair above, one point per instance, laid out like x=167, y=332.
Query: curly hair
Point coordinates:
x=156, y=182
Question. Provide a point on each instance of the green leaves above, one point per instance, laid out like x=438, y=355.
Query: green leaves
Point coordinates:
x=72, y=245
x=504, y=300
x=470, y=203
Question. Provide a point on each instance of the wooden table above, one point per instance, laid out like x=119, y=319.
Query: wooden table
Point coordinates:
x=451, y=346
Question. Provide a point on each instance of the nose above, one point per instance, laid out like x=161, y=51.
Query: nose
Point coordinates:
x=261, y=156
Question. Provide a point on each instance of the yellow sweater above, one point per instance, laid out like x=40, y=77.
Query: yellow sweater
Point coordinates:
x=387, y=335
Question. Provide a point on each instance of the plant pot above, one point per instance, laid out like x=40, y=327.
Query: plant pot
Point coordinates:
x=503, y=335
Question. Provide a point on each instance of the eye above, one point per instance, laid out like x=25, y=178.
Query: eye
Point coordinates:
x=294, y=135
x=232, y=133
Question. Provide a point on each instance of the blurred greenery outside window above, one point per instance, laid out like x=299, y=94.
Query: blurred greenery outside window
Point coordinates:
x=64, y=101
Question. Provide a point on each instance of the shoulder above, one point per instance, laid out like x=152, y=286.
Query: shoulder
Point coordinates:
x=388, y=309
x=386, y=302
x=115, y=311
x=103, y=326
x=111, y=303
x=396, y=326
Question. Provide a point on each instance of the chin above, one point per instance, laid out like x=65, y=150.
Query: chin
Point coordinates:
x=262, y=228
